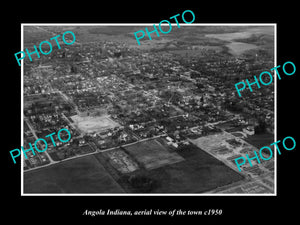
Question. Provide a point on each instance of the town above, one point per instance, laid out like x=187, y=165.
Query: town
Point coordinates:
x=139, y=111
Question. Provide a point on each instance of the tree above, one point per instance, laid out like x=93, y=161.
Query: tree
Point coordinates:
x=261, y=127
x=74, y=69
x=199, y=85
x=142, y=184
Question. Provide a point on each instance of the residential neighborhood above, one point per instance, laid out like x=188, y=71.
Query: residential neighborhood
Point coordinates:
x=113, y=97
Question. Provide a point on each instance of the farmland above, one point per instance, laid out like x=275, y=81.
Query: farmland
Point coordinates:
x=198, y=172
x=160, y=117
x=190, y=170
x=71, y=177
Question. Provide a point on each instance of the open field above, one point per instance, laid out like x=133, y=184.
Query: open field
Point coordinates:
x=214, y=141
x=237, y=48
x=196, y=51
x=234, y=40
x=82, y=175
x=121, y=161
x=226, y=147
x=260, y=140
x=199, y=172
x=239, y=41
x=152, y=154
x=192, y=35
x=96, y=124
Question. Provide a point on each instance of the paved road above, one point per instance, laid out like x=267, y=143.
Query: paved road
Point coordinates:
x=69, y=122
x=34, y=134
x=91, y=153
x=67, y=99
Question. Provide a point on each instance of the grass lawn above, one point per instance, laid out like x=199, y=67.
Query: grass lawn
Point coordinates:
x=82, y=175
x=199, y=172
x=260, y=140
x=152, y=154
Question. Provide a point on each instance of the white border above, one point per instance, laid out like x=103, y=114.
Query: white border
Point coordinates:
x=150, y=24
x=22, y=108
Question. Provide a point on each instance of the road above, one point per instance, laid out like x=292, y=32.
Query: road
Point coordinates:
x=34, y=134
x=91, y=153
x=67, y=99
x=69, y=122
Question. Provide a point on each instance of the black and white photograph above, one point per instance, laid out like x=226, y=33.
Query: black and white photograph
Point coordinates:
x=145, y=113
x=161, y=116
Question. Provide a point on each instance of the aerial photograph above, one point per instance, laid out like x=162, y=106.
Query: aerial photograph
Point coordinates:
x=162, y=117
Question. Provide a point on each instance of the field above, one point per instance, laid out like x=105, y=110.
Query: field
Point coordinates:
x=237, y=48
x=189, y=170
x=152, y=154
x=96, y=124
x=83, y=175
x=260, y=140
x=240, y=41
x=195, y=35
x=198, y=173
x=226, y=147
x=196, y=51
x=121, y=161
x=212, y=142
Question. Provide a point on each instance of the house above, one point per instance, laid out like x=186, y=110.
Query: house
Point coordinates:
x=169, y=139
x=249, y=130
